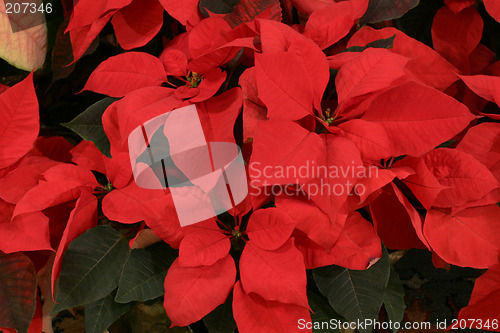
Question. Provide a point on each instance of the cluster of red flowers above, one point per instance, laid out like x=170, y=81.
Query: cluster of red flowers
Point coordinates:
x=324, y=94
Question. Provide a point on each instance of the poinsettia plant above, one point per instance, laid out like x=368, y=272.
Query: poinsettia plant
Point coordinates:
x=363, y=137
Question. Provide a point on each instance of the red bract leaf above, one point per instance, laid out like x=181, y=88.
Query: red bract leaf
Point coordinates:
x=468, y=238
x=281, y=273
x=421, y=119
x=336, y=175
x=180, y=10
x=465, y=177
x=210, y=34
x=136, y=24
x=205, y=247
x=247, y=10
x=457, y=5
x=309, y=218
x=373, y=70
x=87, y=155
x=56, y=148
x=423, y=184
x=484, y=302
x=455, y=36
x=25, y=176
x=279, y=144
x=278, y=37
x=126, y=72
x=45, y=195
x=70, y=173
x=82, y=38
x=328, y=25
x=253, y=108
x=175, y=62
x=125, y=204
x=493, y=8
x=218, y=115
x=357, y=247
x=270, y=228
x=426, y=63
x=369, y=187
x=19, y=121
x=484, y=86
x=397, y=222
x=18, y=291
x=86, y=12
x=193, y=292
x=64, y=183
x=288, y=96
x=483, y=142
x=27, y=232
x=123, y=116
x=370, y=138
x=255, y=314
x=309, y=6
x=82, y=218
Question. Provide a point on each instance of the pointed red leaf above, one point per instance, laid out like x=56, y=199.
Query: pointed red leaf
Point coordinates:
x=457, y=5
x=193, y=292
x=465, y=177
x=19, y=121
x=426, y=64
x=253, y=108
x=270, y=228
x=281, y=273
x=328, y=25
x=289, y=96
x=485, y=86
x=81, y=218
x=373, y=70
x=180, y=10
x=203, y=248
x=255, y=314
x=455, y=36
x=468, y=238
x=493, y=8
x=482, y=142
x=398, y=224
x=484, y=302
x=15, y=184
x=126, y=72
x=421, y=119
x=279, y=144
x=309, y=218
x=136, y=24
x=27, y=232
x=423, y=184
x=357, y=247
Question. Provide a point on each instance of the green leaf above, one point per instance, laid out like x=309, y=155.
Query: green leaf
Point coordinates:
x=384, y=43
x=383, y=10
x=144, y=273
x=99, y=315
x=217, y=6
x=17, y=291
x=88, y=124
x=321, y=312
x=221, y=319
x=91, y=267
x=355, y=295
x=394, y=298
